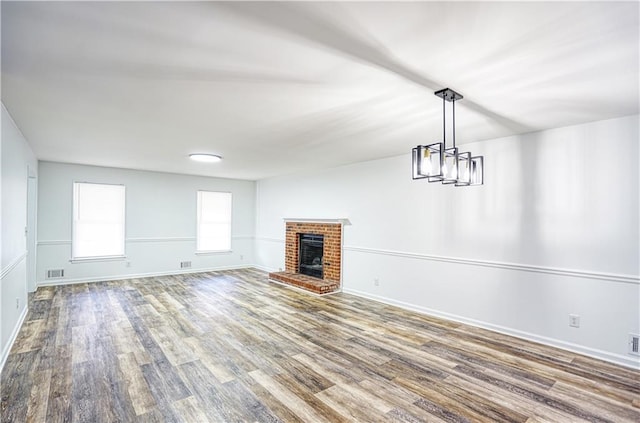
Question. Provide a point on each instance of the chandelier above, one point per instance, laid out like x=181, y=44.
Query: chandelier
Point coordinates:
x=437, y=163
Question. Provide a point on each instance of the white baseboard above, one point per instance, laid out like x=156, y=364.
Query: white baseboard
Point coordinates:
x=65, y=281
x=265, y=268
x=622, y=360
x=12, y=338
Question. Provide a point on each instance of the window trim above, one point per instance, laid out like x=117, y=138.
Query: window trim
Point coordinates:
x=114, y=257
x=213, y=252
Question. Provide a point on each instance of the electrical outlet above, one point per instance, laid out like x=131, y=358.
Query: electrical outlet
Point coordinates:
x=17, y=303
x=574, y=320
x=376, y=282
x=241, y=257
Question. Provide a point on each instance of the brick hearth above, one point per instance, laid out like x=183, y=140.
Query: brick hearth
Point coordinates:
x=309, y=283
x=332, y=257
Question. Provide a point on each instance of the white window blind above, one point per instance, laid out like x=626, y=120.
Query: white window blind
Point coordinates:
x=98, y=220
x=214, y=221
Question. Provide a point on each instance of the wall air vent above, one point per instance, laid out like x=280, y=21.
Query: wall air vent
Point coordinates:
x=185, y=264
x=55, y=273
x=634, y=344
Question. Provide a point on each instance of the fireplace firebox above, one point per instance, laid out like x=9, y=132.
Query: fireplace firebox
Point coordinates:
x=311, y=261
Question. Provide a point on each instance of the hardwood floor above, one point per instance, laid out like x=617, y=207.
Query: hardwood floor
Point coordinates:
x=232, y=347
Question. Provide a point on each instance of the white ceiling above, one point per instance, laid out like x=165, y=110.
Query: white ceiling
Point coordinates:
x=277, y=88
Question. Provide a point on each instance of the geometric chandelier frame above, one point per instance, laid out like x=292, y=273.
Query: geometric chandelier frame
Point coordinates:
x=437, y=163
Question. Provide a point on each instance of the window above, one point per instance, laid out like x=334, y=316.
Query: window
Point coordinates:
x=214, y=221
x=98, y=220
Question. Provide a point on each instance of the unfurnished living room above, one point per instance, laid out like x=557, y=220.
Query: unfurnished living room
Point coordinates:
x=320, y=211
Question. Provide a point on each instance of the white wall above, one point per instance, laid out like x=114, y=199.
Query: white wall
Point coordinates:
x=553, y=231
x=17, y=158
x=160, y=223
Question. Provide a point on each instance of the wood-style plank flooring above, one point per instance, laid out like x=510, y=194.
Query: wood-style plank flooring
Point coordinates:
x=233, y=347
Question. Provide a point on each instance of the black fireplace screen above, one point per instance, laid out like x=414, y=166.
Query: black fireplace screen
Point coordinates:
x=310, y=255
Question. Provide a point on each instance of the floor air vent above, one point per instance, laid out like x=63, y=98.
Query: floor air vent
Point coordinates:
x=55, y=273
x=634, y=344
x=185, y=264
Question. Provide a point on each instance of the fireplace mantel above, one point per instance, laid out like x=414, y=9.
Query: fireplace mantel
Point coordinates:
x=343, y=221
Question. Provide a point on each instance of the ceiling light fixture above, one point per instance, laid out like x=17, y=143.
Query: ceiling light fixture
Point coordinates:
x=203, y=157
x=437, y=163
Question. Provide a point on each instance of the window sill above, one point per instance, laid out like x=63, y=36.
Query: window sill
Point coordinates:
x=208, y=253
x=97, y=259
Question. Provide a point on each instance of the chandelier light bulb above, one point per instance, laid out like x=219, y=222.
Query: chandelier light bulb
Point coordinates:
x=427, y=162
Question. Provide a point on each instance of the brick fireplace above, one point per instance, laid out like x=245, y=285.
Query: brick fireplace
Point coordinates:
x=330, y=231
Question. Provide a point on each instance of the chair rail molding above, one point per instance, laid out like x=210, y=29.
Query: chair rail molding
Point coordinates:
x=610, y=277
x=12, y=264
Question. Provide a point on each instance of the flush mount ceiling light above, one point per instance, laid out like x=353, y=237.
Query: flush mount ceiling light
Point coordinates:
x=437, y=163
x=207, y=158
